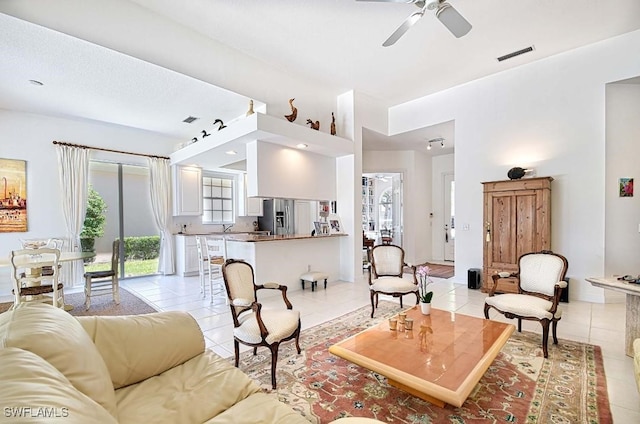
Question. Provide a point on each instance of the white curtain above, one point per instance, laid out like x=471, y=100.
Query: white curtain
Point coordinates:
x=73, y=170
x=161, y=204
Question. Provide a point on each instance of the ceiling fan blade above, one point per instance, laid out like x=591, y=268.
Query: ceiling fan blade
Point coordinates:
x=453, y=20
x=391, y=1
x=399, y=32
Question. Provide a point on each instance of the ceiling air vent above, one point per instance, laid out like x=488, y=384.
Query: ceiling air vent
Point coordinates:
x=189, y=119
x=516, y=53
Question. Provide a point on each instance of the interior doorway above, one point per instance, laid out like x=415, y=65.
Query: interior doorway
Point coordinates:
x=382, y=205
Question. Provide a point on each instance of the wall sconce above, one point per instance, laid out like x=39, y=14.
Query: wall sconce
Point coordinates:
x=435, y=140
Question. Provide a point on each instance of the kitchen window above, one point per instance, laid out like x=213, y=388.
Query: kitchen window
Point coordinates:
x=217, y=199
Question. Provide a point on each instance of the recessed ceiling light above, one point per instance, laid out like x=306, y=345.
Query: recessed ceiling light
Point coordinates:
x=36, y=82
x=301, y=146
x=231, y=152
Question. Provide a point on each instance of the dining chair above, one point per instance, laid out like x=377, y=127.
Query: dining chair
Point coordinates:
x=252, y=325
x=540, y=280
x=386, y=274
x=203, y=261
x=35, y=273
x=215, y=251
x=98, y=283
x=386, y=236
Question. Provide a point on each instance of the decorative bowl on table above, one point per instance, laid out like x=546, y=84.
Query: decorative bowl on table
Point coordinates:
x=34, y=243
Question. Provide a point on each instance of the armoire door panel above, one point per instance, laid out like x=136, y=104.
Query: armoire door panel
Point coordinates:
x=526, y=226
x=501, y=229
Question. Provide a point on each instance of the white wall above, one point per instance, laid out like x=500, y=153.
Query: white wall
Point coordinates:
x=29, y=137
x=277, y=171
x=622, y=214
x=549, y=115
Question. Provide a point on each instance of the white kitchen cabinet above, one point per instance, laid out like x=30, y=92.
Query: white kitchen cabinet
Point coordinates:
x=247, y=206
x=186, y=255
x=187, y=191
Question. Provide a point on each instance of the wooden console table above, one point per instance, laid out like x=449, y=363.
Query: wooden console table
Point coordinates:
x=632, y=290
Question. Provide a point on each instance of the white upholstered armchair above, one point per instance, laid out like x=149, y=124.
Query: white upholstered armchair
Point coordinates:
x=385, y=274
x=254, y=326
x=540, y=279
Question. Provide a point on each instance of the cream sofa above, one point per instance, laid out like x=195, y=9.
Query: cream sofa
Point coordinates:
x=636, y=361
x=138, y=369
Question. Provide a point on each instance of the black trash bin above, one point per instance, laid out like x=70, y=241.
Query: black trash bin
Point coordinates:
x=474, y=278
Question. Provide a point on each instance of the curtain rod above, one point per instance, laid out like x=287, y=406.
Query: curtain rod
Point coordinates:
x=108, y=150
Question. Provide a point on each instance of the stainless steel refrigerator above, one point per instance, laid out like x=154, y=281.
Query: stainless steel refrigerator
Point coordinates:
x=277, y=216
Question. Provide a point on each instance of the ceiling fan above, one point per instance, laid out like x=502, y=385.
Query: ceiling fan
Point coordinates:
x=449, y=17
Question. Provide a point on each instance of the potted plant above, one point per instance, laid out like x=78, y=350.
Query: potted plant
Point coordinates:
x=425, y=296
x=94, y=221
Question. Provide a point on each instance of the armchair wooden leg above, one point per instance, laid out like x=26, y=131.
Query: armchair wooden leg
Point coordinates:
x=236, y=349
x=417, y=298
x=274, y=362
x=486, y=311
x=400, y=301
x=255, y=350
x=520, y=326
x=554, y=328
x=545, y=336
x=373, y=307
x=298, y=339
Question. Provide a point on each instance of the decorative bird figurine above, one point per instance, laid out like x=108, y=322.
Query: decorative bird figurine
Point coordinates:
x=205, y=134
x=333, y=124
x=219, y=121
x=250, y=111
x=314, y=125
x=294, y=112
x=194, y=139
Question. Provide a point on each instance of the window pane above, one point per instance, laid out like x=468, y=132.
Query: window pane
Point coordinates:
x=226, y=193
x=226, y=183
x=217, y=216
x=206, y=191
x=216, y=192
x=206, y=204
x=228, y=216
x=217, y=204
x=207, y=216
x=227, y=205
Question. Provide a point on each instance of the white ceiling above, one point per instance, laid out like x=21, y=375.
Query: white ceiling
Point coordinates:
x=335, y=43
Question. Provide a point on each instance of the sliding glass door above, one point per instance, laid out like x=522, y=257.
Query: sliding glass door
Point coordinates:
x=124, y=190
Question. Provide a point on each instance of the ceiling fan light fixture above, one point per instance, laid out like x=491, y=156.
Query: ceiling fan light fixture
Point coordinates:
x=453, y=20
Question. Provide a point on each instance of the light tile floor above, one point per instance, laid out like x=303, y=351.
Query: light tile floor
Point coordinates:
x=600, y=324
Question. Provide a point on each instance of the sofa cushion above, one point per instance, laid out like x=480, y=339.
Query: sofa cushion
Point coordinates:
x=135, y=348
x=193, y=392
x=58, y=338
x=259, y=408
x=32, y=390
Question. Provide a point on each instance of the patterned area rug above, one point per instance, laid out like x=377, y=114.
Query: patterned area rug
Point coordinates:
x=102, y=305
x=519, y=387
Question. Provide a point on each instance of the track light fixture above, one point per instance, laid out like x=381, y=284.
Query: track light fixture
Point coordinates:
x=435, y=140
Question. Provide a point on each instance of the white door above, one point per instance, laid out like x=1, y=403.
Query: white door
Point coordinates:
x=396, y=196
x=449, y=229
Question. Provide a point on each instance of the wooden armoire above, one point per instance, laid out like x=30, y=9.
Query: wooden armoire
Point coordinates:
x=517, y=220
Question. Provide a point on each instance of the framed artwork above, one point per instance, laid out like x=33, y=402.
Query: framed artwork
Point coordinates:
x=324, y=229
x=13, y=196
x=626, y=187
x=335, y=224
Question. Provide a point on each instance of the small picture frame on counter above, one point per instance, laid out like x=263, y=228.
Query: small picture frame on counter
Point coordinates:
x=335, y=224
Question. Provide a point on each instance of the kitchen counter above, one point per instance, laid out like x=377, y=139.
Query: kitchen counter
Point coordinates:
x=253, y=238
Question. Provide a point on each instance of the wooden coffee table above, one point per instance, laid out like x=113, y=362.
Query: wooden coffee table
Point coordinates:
x=440, y=364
